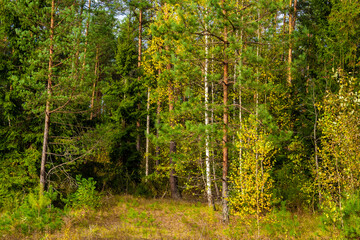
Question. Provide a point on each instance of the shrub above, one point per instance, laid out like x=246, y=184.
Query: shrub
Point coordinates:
x=85, y=195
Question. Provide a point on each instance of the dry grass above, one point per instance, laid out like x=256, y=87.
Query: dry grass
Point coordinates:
x=128, y=217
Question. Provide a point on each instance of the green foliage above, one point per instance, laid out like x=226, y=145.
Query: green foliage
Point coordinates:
x=351, y=216
x=250, y=179
x=296, y=141
x=281, y=221
x=143, y=219
x=85, y=194
x=144, y=189
x=339, y=169
x=345, y=218
x=294, y=182
x=36, y=213
x=126, y=56
x=18, y=175
x=331, y=213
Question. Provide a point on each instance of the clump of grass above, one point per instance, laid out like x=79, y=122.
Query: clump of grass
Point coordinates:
x=142, y=218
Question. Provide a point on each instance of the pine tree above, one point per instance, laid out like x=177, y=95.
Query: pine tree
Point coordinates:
x=51, y=65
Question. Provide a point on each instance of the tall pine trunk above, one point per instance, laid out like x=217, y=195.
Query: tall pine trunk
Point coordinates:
x=240, y=107
x=212, y=124
x=292, y=18
x=225, y=129
x=175, y=194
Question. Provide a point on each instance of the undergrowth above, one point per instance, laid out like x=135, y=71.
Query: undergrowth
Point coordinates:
x=38, y=215
x=129, y=217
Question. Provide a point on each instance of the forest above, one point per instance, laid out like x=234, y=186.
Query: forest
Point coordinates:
x=245, y=110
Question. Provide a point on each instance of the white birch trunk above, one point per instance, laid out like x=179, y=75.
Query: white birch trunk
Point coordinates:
x=207, y=138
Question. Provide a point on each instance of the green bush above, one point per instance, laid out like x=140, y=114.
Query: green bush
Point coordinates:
x=85, y=195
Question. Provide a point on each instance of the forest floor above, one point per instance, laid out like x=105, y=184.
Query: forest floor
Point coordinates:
x=129, y=217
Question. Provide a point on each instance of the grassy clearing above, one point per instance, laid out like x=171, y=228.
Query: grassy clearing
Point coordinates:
x=128, y=217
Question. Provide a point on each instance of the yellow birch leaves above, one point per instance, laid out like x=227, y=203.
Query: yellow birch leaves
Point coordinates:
x=340, y=151
x=250, y=181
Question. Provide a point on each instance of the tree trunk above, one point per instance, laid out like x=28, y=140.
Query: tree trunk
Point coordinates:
x=175, y=193
x=212, y=123
x=75, y=66
x=258, y=195
x=139, y=65
x=225, y=130
x=173, y=178
x=86, y=40
x=157, y=150
x=147, y=133
x=292, y=18
x=315, y=143
x=240, y=106
x=47, y=108
x=207, y=138
x=96, y=73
